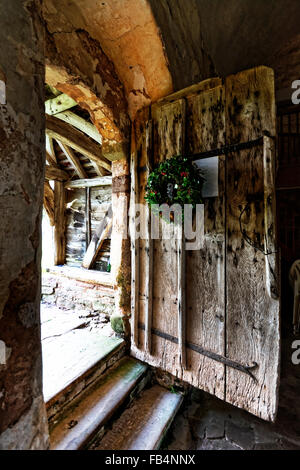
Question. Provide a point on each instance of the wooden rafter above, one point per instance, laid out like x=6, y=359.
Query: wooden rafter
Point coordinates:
x=98, y=169
x=89, y=183
x=49, y=201
x=75, y=162
x=50, y=153
x=75, y=139
x=81, y=124
x=59, y=223
x=59, y=104
x=54, y=173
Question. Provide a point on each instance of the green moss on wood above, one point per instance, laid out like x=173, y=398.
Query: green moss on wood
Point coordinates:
x=117, y=324
x=124, y=286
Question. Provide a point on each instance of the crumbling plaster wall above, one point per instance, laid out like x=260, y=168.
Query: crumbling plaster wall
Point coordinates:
x=160, y=46
x=23, y=423
x=181, y=30
x=129, y=37
x=216, y=38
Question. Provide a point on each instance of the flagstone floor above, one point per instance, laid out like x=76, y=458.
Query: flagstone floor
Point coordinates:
x=72, y=342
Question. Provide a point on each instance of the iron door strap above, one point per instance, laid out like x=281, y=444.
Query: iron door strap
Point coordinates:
x=246, y=369
x=230, y=148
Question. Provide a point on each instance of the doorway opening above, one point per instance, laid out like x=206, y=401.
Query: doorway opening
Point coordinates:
x=288, y=203
x=78, y=296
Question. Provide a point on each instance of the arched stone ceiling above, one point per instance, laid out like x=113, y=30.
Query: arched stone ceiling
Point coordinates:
x=128, y=35
x=129, y=53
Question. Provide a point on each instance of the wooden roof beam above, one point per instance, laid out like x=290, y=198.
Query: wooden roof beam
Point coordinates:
x=75, y=139
x=73, y=159
x=56, y=174
x=59, y=104
x=80, y=124
x=89, y=183
x=50, y=153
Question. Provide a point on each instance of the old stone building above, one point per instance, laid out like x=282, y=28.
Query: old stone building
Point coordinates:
x=113, y=341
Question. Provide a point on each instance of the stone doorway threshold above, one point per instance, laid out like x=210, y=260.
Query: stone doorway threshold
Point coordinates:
x=71, y=345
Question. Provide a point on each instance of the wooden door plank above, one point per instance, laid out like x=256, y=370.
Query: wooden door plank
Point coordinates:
x=252, y=308
x=168, y=141
x=168, y=138
x=181, y=279
x=270, y=242
x=134, y=199
x=206, y=267
x=144, y=245
x=192, y=90
x=148, y=246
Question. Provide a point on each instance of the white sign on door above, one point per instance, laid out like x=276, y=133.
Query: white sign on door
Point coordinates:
x=210, y=169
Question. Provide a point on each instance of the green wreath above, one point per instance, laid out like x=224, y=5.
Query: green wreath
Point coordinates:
x=175, y=181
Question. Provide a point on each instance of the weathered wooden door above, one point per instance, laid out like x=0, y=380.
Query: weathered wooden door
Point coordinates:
x=211, y=317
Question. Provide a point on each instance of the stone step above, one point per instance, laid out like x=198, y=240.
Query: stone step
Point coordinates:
x=143, y=425
x=70, y=374
x=92, y=411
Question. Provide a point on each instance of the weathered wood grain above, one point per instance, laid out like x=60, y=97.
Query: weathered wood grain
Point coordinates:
x=59, y=104
x=252, y=309
x=181, y=293
x=59, y=223
x=192, y=90
x=201, y=371
x=206, y=267
x=143, y=135
x=73, y=159
x=77, y=140
x=231, y=286
x=56, y=174
x=89, y=183
x=168, y=139
x=81, y=124
x=50, y=152
x=135, y=252
x=49, y=201
x=168, y=130
x=148, y=245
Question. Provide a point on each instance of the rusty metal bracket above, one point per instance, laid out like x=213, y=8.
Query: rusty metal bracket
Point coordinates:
x=246, y=369
x=228, y=149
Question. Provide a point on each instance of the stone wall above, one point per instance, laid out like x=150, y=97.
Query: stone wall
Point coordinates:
x=72, y=294
x=207, y=423
x=23, y=423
